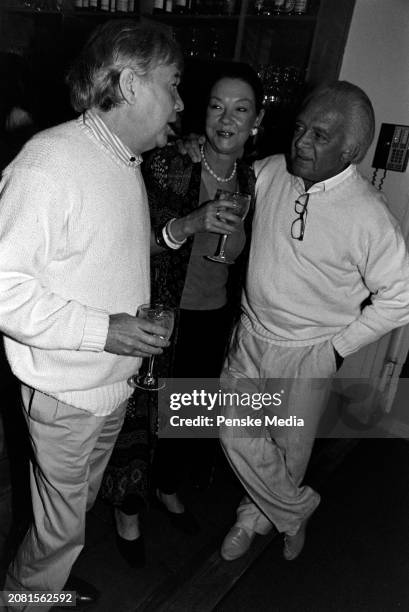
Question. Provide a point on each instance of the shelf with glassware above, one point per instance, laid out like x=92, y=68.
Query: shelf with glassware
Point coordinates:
x=280, y=55
x=211, y=37
x=110, y=10
x=198, y=34
x=183, y=18
x=263, y=8
x=222, y=33
x=288, y=19
x=28, y=10
x=190, y=7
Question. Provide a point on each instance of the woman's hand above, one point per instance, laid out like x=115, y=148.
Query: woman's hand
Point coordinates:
x=190, y=145
x=213, y=216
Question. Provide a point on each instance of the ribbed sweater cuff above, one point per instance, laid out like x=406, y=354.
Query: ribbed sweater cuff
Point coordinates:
x=342, y=346
x=95, y=330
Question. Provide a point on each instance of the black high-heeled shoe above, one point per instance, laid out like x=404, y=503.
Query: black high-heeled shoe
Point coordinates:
x=184, y=521
x=133, y=551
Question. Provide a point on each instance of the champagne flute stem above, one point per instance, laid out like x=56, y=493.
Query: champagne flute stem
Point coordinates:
x=222, y=245
x=149, y=373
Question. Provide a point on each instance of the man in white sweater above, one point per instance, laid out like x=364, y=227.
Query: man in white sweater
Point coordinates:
x=74, y=267
x=323, y=243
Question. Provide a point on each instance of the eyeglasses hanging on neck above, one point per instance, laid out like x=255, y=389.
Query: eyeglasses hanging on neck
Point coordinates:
x=298, y=226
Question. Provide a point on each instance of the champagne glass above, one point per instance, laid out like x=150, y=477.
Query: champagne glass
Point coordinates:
x=241, y=207
x=165, y=316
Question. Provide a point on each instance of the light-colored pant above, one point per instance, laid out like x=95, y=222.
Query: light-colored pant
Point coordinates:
x=270, y=460
x=71, y=448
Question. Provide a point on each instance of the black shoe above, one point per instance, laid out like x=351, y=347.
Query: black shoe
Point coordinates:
x=203, y=480
x=184, y=521
x=85, y=593
x=132, y=504
x=133, y=551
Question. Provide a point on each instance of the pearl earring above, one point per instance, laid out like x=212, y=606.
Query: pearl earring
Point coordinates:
x=254, y=131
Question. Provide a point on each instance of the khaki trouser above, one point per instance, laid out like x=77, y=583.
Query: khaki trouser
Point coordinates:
x=71, y=448
x=271, y=460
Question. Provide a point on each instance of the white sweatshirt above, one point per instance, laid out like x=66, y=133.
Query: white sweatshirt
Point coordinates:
x=304, y=292
x=74, y=248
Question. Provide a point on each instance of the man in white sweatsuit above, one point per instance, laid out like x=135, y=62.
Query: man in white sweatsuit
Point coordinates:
x=323, y=242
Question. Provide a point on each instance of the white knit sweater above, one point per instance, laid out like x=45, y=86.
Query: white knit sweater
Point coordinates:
x=304, y=292
x=74, y=248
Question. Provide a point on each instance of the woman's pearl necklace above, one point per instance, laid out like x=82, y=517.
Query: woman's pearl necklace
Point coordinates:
x=218, y=178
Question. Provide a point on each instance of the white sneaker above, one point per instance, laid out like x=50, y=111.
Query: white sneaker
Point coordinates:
x=293, y=545
x=236, y=543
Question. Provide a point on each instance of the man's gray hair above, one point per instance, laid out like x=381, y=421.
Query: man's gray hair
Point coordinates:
x=94, y=77
x=356, y=107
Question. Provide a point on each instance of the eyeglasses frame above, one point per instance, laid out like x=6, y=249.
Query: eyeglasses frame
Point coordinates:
x=302, y=216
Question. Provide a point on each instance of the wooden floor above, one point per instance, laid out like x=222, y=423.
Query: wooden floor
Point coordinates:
x=183, y=573
x=356, y=556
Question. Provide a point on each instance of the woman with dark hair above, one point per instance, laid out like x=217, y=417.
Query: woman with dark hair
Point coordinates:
x=206, y=292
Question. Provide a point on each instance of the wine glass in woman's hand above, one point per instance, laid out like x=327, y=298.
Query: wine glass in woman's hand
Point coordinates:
x=165, y=316
x=241, y=207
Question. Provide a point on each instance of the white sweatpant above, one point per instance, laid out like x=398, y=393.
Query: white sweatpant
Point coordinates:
x=270, y=460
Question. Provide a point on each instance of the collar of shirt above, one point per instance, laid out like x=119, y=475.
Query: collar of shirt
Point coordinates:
x=102, y=132
x=327, y=184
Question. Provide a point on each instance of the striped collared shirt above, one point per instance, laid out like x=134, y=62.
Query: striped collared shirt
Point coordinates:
x=101, y=131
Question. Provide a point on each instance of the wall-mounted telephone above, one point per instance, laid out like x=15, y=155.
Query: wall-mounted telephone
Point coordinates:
x=392, y=150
